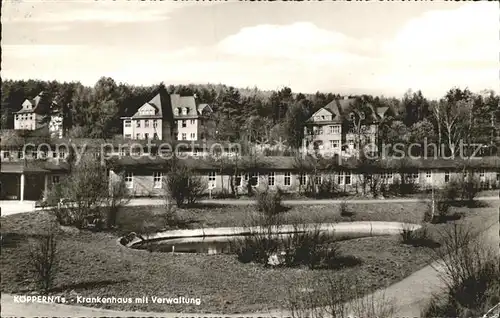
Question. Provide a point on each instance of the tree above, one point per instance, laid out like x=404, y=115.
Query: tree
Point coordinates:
x=415, y=108
x=81, y=195
x=183, y=186
x=118, y=197
x=280, y=101
x=294, y=124
x=43, y=258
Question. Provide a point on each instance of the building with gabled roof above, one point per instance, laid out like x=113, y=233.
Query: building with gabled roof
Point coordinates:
x=33, y=113
x=169, y=116
x=336, y=127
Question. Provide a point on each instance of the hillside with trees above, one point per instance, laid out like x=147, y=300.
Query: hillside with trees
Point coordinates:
x=255, y=115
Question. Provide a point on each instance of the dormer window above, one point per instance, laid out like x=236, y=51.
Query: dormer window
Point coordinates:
x=362, y=115
x=176, y=111
x=185, y=111
x=351, y=115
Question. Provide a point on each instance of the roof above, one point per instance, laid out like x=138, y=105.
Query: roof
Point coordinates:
x=308, y=163
x=179, y=103
x=40, y=104
x=167, y=104
x=340, y=108
x=33, y=166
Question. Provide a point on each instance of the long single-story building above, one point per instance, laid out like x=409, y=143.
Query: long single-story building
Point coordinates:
x=26, y=172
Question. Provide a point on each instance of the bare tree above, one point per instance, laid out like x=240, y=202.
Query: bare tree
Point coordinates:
x=43, y=258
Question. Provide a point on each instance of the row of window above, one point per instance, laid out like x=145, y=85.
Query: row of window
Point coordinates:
x=251, y=178
x=183, y=123
x=192, y=136
x=334, y=129
x=35, y=155
x=24, y=116
x=142, y=123
x=342, y=178
x=183, y=111
x=142, y=136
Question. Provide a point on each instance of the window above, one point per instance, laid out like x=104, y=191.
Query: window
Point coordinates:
x=155, y=123
x=62, y=154
x=344, y=178
x=320, y=130
x=55, y=179
x=302, y=179
x=157, y=180
x=184, y=136
x=146, y=123
x=211, y=179
x=193, y=136
x=123, y=152
x=185, y=111
x=253, y=179
x=348, y=178
x=136, y=151
x=428, y=174
x=146, y=136
x=193, y=122
x=317, y=180
x=138, y=123
x=34, y=154
x=155, y=136
x=270, y=178
x=238, y=180
x=481, y=173
x=138, y=136
x=334, y=144
x=447, y=176
x=128, y=123
x=183, y=123
x=387, y=177
x=20, y=154
x=176, y=111
x=6, y=154
x=288, y=178
x=129, y=180
x=335, y=129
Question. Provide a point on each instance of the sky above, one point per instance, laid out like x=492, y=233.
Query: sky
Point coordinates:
x=379, y=48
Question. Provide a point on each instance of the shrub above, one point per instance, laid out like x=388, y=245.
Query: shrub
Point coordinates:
x=345, y=211
x=470, y=188
x=327, y=189
x=183, y=186
x=43, y=260
x=269, y=203
x=343, y=297
x=407, y=233
x=471, y=274
x=255, y=248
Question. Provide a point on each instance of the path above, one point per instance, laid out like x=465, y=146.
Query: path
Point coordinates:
x=13, y=207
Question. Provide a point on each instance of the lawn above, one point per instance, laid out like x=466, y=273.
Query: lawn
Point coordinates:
x=226, y=216
x=92, y=264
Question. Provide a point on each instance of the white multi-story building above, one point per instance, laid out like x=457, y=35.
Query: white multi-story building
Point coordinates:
x=169, y=117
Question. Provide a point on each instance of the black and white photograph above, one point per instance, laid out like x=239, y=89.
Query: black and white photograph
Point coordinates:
x=250, y=159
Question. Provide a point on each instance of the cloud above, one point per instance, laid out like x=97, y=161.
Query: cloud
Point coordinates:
x=302, y=41
x=432, y=52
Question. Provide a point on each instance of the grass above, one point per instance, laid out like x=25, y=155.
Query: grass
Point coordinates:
x=227, y=216
x=93, y=264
